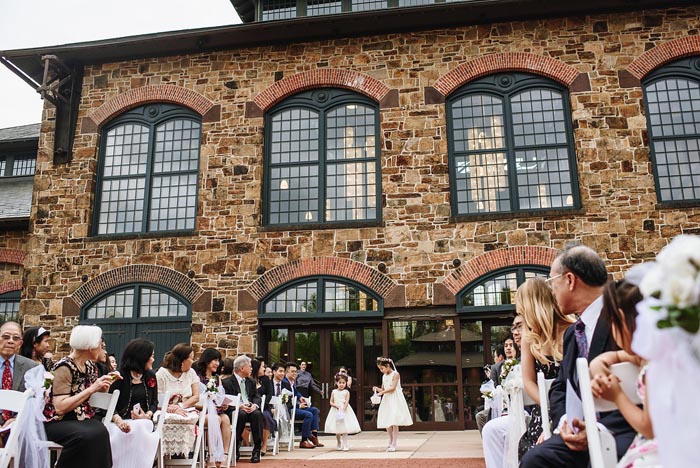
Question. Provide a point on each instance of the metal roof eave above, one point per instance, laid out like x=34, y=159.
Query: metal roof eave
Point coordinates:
x=27, y=62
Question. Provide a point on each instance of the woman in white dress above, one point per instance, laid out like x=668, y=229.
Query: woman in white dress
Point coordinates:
x=393, y=410
x=341, y=419
x=177, y=377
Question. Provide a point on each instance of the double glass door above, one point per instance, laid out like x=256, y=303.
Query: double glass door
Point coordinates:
x=325, y=351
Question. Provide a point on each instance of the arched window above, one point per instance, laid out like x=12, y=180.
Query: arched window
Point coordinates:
x=149, y=165
x=323, y=296
x=672, y=97
x=322, y=159
x=511, y=146
x=495, y=292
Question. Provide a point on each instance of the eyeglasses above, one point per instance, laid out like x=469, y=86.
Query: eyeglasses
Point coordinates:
x=7, y=337
x=552, y=278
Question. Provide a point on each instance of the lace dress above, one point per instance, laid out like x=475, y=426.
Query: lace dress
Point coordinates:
x=534, y=429
x=643, y=452
x=393, y=410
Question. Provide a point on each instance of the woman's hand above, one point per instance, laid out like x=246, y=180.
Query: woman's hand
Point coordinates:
x=102, y=384
x=121, y=424
x=375, y=389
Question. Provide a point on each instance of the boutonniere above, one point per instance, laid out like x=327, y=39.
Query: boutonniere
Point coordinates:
x=150, y=383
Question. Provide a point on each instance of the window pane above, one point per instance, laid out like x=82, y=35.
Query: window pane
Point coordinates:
x=678, y=169
x=350, y=133
x=543, y=178
x=482, y=183
x=297, y=299
x=294, y=195
x=538, y=118
x=23, y=166
x=279, y=9
x=351, y=191
x=478, y=123
x=323, y=7
x=177, y=147
x=674, y=107
x=345, y=298
x=155, y=303
x=495, y=291
x=294, y=136
x=121, y=208
x=364, y=5
x=126, y=151
x=115, y=306
x=9, y=311
x=173, y=202
x=415, y=2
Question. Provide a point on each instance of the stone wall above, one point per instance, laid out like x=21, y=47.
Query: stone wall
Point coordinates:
x=417, y=240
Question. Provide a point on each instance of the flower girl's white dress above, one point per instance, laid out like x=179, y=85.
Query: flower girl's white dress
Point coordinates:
x=393, y=410
x=348, y=424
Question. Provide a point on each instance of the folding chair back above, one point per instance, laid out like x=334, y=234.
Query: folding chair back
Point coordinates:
x=14, y=401
x=105, y=401
x=543, y=385
x=285, y=429
x=236, y=405
x=601, y=444
x=274, y=401
x=198, y=449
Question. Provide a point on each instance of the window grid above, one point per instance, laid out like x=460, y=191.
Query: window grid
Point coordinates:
x=525, y=130
x=366, y=5
x=9, y=311
x=115, y=306
x=279, y=9
x=498, y=290
x=23, y=166
x=323, y=7
x=404, y=3
x=323, y=165
x=155, y=303
x=3, y=163
x=341, y=297
x=674, y=123
x=147, y=177
x=301, y=298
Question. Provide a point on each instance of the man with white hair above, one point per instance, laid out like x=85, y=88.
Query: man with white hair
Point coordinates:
x=13, y=364
x=241, y=384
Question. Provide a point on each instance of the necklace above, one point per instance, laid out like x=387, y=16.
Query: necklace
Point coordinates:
x=126, y=414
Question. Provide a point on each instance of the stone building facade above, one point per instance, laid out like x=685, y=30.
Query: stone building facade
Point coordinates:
x=420, y=256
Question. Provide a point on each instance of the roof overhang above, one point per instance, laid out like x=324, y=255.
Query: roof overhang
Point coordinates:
x=27, y=63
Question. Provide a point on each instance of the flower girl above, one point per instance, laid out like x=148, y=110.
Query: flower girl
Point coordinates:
x=393, y=410
x=341, y=419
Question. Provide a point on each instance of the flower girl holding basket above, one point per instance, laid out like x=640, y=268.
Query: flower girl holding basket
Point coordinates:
x=341, y=419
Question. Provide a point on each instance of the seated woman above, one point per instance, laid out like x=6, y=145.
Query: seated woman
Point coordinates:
x=177, y=377
x=620, y=313
x=134, y=443
x=69, y=416
x=207, y=368
x=264, y=387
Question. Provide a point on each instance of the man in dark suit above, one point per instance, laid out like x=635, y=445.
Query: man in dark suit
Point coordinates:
x=241, y=384
x=308, y=414
x=577, y=278
x=12, y=365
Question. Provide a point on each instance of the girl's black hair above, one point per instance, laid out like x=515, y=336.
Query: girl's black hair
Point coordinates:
x=135, y=356
x=208, y=355
x=385, y=361
x=28, y=340
x=620, y=299
x=255, y=364
x=339, y=377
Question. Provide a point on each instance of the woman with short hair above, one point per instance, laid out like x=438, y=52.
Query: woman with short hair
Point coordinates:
x=69, y=416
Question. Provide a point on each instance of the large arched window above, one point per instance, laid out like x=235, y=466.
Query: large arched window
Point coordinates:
x=672, y=97
x=511, y=146
x=322, y=159
x=149, y=165
x=327, y=297
x=495, y=292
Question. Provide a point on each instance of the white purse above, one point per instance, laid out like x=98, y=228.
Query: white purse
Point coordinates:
x=375, y=399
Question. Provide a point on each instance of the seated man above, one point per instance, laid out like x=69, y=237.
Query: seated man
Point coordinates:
x=241, y=384
x=308, y=414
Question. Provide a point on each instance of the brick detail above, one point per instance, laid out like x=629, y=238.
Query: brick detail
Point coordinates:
x=13, y=256
x=664, y=53
x=159, y=93
x=159, y=275
x=355, y=271
x=9, y=286
x=507, y=61
x=497, y=259
x=347, y=79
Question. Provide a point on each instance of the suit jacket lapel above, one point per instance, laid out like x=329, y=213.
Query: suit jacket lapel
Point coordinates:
x=600, y=341
x=570, y=354
x=17, y=375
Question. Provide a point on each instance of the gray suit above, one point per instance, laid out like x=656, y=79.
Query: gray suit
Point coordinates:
x=22, y=365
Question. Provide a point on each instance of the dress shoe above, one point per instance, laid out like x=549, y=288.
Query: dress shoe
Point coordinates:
x=255, y=458
x=314, y=440
x=306, y=444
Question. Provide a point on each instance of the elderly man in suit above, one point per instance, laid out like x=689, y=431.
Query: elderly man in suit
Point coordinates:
x=13, y=365
x=577, y=278
x=241, y=384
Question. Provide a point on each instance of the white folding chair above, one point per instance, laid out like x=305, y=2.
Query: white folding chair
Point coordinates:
x=159, y=418
x=236, y=405
x=274, y=401
x=285, y=429
x=543, y=385
x=198, y=449
x=14, y=401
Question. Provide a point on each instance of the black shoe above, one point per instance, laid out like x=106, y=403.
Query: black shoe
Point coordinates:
x=255, y=458
x=238, y=456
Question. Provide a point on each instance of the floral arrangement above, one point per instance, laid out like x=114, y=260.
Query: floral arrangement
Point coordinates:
x=507, y=366
x=285, y=398
x=674, y=280
x=151, y=382
x=48, y=380
x=212, y=385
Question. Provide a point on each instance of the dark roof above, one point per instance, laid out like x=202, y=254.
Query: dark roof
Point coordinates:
x=27, y=62
x=245, y=9
x=20, y=133
x=15, y=198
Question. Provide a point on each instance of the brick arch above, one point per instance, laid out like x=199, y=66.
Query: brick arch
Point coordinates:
x=146, y=94
x=13, y=256
x=348, y=79
x=507, y=61
x=495, y=260
x=662, y=54
x=160, y=275
x=352, y=270
x=9, y=286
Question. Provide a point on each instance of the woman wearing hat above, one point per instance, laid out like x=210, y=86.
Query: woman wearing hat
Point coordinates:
x=35, y=346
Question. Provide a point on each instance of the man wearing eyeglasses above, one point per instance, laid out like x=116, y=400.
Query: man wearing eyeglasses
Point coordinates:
x=13, y=366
